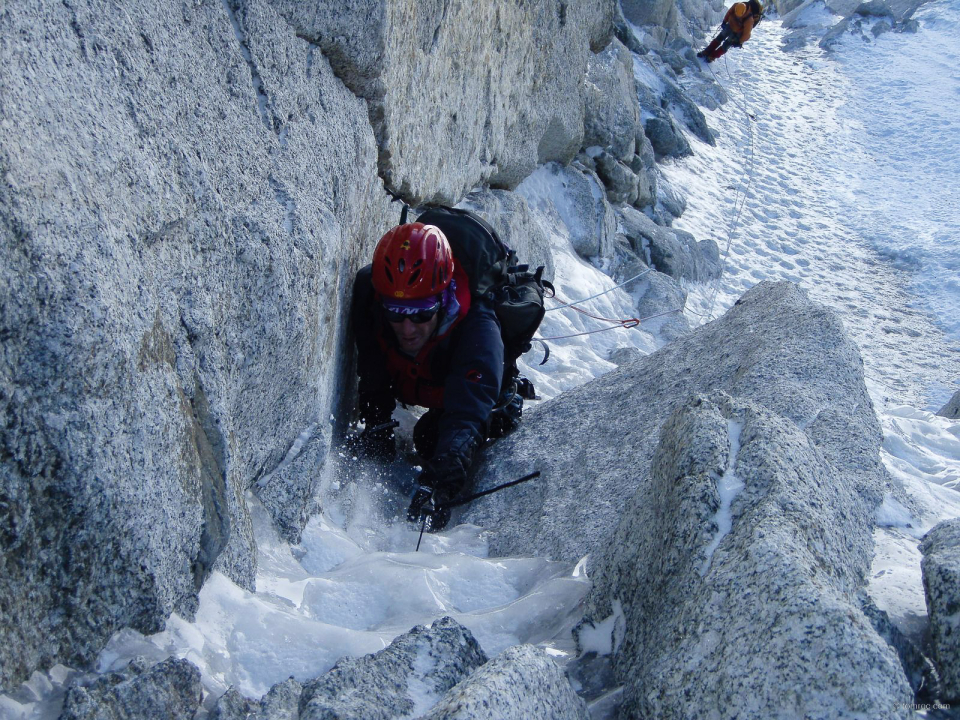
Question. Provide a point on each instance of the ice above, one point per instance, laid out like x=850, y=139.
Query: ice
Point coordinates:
x=729, y=486
x=605, y=637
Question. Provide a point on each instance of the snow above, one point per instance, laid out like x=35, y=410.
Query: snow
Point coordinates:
x=605, y=637
x=729, y=486
x=837, y=172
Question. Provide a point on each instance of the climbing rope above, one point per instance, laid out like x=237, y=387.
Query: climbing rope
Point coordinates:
x=629, y=323
x=625, y=323
x=599, y=294
x=741, y=193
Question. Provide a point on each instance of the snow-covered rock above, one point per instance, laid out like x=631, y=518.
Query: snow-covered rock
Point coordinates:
x=520, y=683
x=405, y=679
x=169, y=690
x=281, y=703
x=498, y=86
x=621, y=183
x=672, y=252
x=584, y=210
x=941, y=584
x=745, y=524
x=595, y=444
x=667, y=139
x=952, y=408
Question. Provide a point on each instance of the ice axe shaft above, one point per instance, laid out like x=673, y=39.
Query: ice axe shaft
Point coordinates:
x=423, y=526
x=471, y=498
x=389, y=425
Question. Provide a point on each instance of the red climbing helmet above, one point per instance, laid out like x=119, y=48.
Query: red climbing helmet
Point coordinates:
x=412, y=262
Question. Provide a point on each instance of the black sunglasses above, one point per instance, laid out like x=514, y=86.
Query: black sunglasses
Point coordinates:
x=418, y=318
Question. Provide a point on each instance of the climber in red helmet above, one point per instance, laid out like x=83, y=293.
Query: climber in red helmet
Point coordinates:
x=423, y=340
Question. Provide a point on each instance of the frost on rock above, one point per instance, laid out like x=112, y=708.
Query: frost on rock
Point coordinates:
x=406, y=677
x=520, y=683
x=169, y=690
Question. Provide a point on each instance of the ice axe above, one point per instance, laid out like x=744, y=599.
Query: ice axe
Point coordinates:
x=471, y=498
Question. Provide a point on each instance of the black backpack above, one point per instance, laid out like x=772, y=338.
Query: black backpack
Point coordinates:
x=494, y=272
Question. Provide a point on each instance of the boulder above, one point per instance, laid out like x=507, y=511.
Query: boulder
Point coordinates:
x=952, y=408
x=745, y=524
x=621, y=183
x=169, y=690
x=520, y=683
x=576, y=200
x=941, y=583
x=678, y=254
x=281, y=703
x=775, y=347
x=624, y=355
x=498, y=86
x=611, y=113
x=660, y=303
x=175, y=255
x=673, y=252
x=875, y=9
x=687, y=109
x=671, y=204
x=405, y=679
x=666, y=138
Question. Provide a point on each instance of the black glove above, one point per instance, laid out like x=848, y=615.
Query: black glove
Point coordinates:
x=440, y=482
x=506, y=419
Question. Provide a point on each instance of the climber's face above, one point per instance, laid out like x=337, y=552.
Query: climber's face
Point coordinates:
x=411, y=336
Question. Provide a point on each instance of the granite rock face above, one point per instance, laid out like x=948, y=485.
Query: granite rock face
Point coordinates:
x=184, y=189
x=662, y=13
x=612, y=116
x=745, y=524
x=510, y=215
x=941, y=584
x=169, y=690
x=415, y=670
x=520, y=683
x=775, y=348
x=498, y=87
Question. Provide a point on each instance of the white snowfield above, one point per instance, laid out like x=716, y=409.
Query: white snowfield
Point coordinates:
x=848, y=177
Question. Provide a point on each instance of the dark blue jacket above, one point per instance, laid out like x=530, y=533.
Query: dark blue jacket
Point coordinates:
x=460, y=372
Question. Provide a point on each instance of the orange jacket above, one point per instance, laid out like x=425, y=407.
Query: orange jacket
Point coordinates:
x=740, y=19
